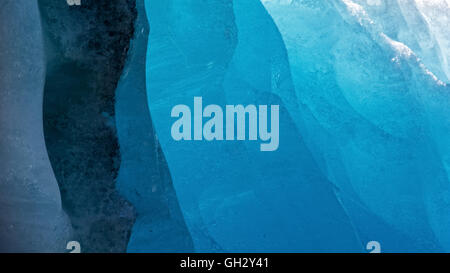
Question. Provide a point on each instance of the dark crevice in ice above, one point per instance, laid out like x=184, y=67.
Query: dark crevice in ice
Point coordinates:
x=86, y=48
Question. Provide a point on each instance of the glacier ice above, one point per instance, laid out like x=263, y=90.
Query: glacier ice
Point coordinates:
x=144, y=177
x=436, y=14
x=31, y=216
x=233, y=197
x=420, y=25
x=364, y=151
x=364, y=111
x=378, y=117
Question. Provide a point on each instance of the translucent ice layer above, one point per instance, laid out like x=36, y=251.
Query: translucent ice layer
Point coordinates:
x=234, y=197
x=379, y=123
x=144, y=177
x=364, y=123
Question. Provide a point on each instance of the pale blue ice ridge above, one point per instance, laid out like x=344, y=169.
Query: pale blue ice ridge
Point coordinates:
x=379, y=122
x=31, y=215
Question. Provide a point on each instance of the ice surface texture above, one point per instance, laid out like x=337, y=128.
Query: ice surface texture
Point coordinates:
x=377, y=119
x=233, y=197
x=364, y=149
x=31, y=216
x=144, y=177
x=69, y=67
x=364, y=125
